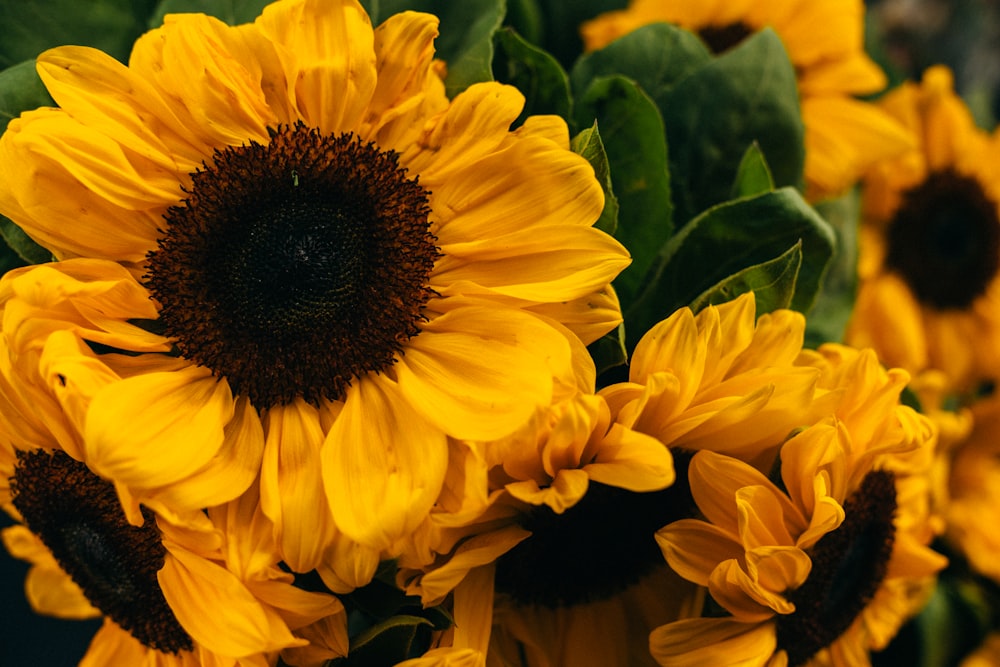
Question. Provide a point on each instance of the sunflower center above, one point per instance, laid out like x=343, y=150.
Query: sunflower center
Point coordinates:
x=721, y=38
x=595, y=549
x=78, y=517
x=945, y=240
x=849, y=565
x=294, y=267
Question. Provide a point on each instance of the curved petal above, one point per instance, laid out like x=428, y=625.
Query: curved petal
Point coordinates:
x=327, y=50
x=713, y=641
x=478, y=373
x=152, y=430
x=217, y=610
x=291, y=485
x=383, y=464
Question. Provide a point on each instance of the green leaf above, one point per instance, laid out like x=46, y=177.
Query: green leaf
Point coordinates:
x=561, y=22
x=26, y=249
x=727, y=239
x=233, y=12
x=32, y=27
x=608, y=351
x=21, y=90
x=834, y=305
x=466, y=35
x=588, y=144
x=632, y=133
x=525, y=17
x=753, y=177
x=772, y=282
x=656, y=57
x=388, y=643
x=534, y=72
x=747, y=94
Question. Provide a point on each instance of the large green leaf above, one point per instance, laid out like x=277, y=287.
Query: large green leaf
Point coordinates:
x=747, y=94
x=835, y=302
x=725, y=240
x=772, y=282
x=28, y=28
x=466, y=40
x=632, y=132
x=534, y=72
x=588, y=144
x=561, y=21
x=20, y=91
x=388, y=643
x=233, y=12
x=656, y=57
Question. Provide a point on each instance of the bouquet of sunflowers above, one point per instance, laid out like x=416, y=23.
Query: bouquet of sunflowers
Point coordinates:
x=477, y=333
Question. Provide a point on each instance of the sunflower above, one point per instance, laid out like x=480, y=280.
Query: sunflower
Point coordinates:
x=370, y=266
x=824, y=41
x=152, y=577
x=557, y=536
x=974, y=493
x=819, y=565
x=928, y=293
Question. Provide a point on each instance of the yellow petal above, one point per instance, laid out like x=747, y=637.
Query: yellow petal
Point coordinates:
x=152, y=430
x=383, y=464
x=694, y=548
x=548, y=264
x=327, y=50
x=478, y=373
x=217, y=610
x=713, y=641
x=291, y=485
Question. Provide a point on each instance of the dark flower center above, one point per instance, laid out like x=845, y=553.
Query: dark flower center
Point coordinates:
x=945, y=240
x=721, y=38
x=595, y=549
x=294, y=267
x=78, y=517
x=848, y=566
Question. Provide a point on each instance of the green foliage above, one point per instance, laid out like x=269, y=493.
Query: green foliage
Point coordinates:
x=233, y=12
x=466, y=40
x=753, y=176
x=636, y=146
x=21, y=90
x=534, y=72
x=588, y=144
x=835, y=301
x=727, y=239
x=28, y=28
x=773, y=283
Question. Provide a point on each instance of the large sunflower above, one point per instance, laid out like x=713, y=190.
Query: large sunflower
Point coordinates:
x=325, y=235
x=824, y=41
x=152, y=576
x=929, y=297
x=819, y=565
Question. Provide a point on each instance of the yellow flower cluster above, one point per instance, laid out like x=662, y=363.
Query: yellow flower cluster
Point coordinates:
x=314, y=330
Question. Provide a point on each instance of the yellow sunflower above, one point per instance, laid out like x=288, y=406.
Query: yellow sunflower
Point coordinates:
x=722, y=380
x=824, y=41
x=974, y=487
x=818, y=567
x=552, y=522
x=324, y=235
x=154, y=579
x=928, y=294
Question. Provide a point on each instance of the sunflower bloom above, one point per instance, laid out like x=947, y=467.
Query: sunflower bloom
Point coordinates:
x=824, y=41
x=571, y=481
x=819, y=570
x=194, y=589
x=929, y=298
x=328, y=242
